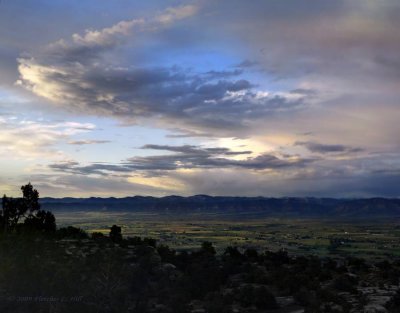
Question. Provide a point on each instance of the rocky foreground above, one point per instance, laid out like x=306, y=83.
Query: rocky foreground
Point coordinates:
x=72, y=272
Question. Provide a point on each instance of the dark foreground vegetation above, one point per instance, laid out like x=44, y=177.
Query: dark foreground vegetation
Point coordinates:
x=48, y=269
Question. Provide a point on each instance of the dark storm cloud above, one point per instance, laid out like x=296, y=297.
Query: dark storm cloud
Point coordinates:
x=189, y=149
x=156, y=92
x=207, y=161
x=192, y=157
x=186, y=157
x=327, y=148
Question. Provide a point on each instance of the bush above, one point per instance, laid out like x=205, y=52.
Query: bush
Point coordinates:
x=260, y=296
x=72, y=232
x=345, y=283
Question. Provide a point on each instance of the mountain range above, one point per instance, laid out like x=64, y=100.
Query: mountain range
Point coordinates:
x=288, y=206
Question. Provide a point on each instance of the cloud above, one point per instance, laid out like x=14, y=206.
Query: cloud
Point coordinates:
x=171, y=15
x=75, y=75
x=190, y=169
x=165, y=93
x=183, y=158
x=101, y=169
x=327, y=148
x=272, y=72
x=182, y=133
x=246, y=64
x=26, y=139
x=222, y=74
x=112, y=36
x=189, y=149
x=352, y=179
x=303, y=91
x=192, y=157
x=87, y=142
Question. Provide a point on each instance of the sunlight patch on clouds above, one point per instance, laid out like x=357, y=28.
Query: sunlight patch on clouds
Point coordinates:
x=255, y=144
x=162, y=183
x=35, y=79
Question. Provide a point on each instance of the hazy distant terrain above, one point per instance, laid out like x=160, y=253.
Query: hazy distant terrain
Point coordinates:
x=250, y=206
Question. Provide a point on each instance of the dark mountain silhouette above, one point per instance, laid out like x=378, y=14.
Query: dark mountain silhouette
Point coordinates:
x=290, y=206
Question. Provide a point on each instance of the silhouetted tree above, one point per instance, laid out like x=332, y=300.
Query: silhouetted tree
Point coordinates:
x=233, y=252
x=150, y=242
x=30, y=199
x=10, y=213
x=97, y=236
x=251, y=254
x=167, y=255
x=27, y=208
x=72, y=232
x=41, y=221
x=115, y=233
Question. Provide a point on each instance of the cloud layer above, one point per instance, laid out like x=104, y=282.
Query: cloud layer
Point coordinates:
x=222, y=97
x=76, y=75
x=185, y=158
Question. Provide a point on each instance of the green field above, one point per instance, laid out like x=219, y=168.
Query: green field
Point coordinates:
x=363, y=238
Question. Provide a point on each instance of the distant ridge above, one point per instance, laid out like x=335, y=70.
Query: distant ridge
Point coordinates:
x=289, y=206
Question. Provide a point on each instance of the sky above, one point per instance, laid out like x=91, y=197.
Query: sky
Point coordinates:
x=231, y=97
